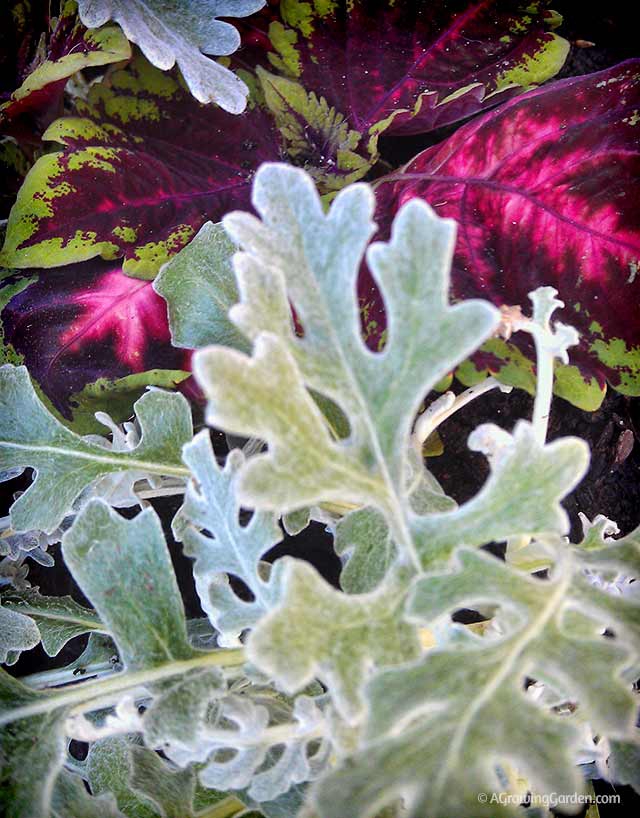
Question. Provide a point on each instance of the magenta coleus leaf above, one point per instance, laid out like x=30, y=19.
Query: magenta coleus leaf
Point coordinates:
x=143, y=167
x=408, y=67
x=51, y=45
x=545, y=192
x=84, y=323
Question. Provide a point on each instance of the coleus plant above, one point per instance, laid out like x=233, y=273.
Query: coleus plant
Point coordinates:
x=143, y=165
x=300, y=698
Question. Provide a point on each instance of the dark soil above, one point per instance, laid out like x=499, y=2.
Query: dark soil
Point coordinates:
x=612, y=485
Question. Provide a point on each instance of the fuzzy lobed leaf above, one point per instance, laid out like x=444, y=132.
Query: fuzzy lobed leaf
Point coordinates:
x=66, y=464
x=17, y=633
x=135, y=571
x=199, y=287
x=31, y=752
x=296, y=643
x=298, y=254
x=142, y=785
x=182, y=33
x=521, y=496
x=135, y=593
x=57, y=618
x=208, y=526
x=470, y=698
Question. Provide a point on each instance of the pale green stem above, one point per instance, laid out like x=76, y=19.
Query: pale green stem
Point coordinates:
x=445, y=406
x=227, y=808
x=149, y=494
x=61, y=676
x=106, y=691
x=544, y=388
x=116, y=459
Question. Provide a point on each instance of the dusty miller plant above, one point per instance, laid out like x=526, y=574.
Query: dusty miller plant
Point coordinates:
x=300, y=698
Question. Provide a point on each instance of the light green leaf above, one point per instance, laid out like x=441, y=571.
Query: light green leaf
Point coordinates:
x=199, y=287
x=17, y=633
x=71, y=800
x=624, y=762
x=182, y=33
x=439, y=729
x=129, y=578
x=195, y=721
x=65, y=463
x=32, y=752
x=124, y=567
x=143, y=785
x=317, y=631
x=208, y=524
x=299, y=254
x=521, y=497
x=179, y=718
x=363, y=536
x=296, y=521
x=260, y=725
x=58, y=618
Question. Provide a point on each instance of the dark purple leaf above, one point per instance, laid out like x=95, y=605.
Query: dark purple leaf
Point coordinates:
x=44, y=46
x=545, y=192
x=76, y=325
x=142, y=169
x=408, y=67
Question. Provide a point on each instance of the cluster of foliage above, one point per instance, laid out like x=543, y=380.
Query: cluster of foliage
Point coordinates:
x=314, y=350
x=542, y=182
x=302, y=699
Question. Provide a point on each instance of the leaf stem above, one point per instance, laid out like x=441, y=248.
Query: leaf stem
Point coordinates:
x=119, y=460
x=227, y=808
x=448, y=404
x=106, y=689
x=61, y=676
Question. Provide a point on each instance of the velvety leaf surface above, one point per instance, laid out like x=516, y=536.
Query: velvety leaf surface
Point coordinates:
x=58, y=618
x=296, y=642
x=17, y=633
x=178, y=32
x=545, y=192
x=65, y=463
x=299, y=254
x=31, y=751
x=463, y=706
x=140, y=782
x=199, y=287
x=91, y=335
x=144, y=613
x=208, y=525
x=257, y=768
x=124, y=567
x=71, y=800
x=521, y=496
x=64, y=46
x=143, y=167
x=409, y=67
